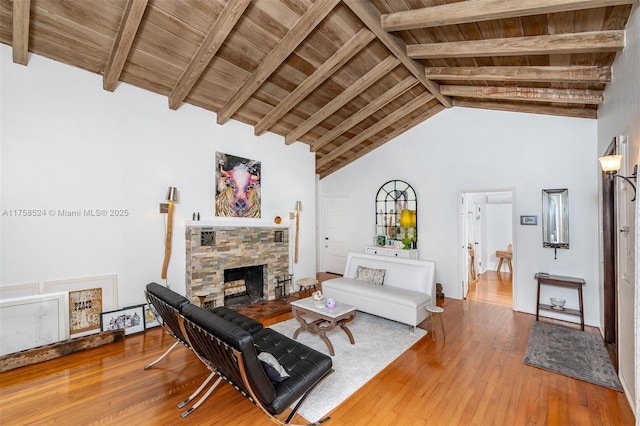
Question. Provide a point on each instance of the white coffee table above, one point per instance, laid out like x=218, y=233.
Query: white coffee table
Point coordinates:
x=316, y=318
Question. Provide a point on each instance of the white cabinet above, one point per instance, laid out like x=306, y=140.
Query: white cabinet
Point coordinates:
x=384, y=251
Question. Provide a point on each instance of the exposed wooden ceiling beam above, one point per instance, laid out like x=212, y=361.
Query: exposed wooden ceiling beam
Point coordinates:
x=133, y=12
x=577, y=112
x=370, y=16
x=218, y=33
x=20, y=42
x=485, y=10
x=365, y=112
x=324, y=71
x=379, y=71
x=378, y=143
x=407, y=108
x=302, y=28
x=595, y=41
x=572, y=96
x=582, y=74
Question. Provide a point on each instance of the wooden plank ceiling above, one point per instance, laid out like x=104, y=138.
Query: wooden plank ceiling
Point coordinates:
x=343, y=76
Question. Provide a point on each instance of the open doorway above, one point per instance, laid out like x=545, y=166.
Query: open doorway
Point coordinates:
x=487, y=229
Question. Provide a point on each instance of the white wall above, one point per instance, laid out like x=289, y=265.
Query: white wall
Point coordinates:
x=68, y=144
x=467, y=150
x=620, y=115
x=499, y=219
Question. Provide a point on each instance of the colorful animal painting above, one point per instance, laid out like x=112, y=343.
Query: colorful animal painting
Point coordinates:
x=237, y=186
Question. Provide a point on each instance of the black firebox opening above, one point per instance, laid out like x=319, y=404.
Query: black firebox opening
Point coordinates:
x=253, y=277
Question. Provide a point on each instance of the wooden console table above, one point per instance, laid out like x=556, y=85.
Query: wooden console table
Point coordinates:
x=558, y=281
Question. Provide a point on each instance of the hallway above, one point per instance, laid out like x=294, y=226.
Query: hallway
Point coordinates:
x=492, y=287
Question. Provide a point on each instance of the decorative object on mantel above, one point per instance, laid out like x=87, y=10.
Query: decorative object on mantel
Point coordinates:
x=172, y=197
x=298, y=209
x=611, y=165
x=238, y=186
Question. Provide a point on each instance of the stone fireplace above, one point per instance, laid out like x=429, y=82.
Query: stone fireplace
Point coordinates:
x=217, y=252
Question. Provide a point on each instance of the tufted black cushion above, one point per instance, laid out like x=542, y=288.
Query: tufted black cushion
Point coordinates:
x=303, y=364
x=237, y=338
x=243, y=321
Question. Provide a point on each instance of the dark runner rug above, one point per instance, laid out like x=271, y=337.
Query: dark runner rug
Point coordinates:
x=572, y=353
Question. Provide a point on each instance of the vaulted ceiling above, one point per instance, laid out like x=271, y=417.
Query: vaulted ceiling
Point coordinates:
x=342, y=76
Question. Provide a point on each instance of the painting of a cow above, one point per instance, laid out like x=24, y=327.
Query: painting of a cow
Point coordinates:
x=237, y=186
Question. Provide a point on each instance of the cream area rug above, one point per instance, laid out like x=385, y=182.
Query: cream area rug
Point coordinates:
x=378, y=342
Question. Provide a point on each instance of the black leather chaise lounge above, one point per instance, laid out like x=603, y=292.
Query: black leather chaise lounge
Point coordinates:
x=230, y=345
x=168, y=304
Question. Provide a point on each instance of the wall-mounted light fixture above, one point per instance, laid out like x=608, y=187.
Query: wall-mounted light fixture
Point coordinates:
x=611, y=164
x=172, y=197
x=298, y=209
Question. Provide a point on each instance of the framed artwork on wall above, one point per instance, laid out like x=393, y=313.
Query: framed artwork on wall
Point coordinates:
x=237, y=186
x=528, y=220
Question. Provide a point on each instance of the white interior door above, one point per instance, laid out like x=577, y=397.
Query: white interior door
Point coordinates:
x=334, y=234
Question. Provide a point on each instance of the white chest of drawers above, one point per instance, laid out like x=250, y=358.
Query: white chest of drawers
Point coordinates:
x=385, y=251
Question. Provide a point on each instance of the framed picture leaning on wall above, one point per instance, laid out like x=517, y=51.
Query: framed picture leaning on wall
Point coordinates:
x=130, y=319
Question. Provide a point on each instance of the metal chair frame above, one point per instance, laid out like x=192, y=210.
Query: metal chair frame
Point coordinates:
x=228, y=363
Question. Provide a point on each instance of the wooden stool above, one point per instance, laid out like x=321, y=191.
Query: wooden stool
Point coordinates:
x=306, y=284
x=504, y=256
x=435, y=311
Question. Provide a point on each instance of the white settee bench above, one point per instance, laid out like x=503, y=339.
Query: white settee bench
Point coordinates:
x=408, y=287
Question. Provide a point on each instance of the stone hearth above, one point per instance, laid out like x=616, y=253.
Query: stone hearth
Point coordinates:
x=211, y=248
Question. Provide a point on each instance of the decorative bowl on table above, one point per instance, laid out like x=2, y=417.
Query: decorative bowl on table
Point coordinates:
x=557, y=303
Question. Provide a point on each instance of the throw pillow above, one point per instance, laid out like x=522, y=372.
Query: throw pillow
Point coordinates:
x=370, y=275
x=272, y=367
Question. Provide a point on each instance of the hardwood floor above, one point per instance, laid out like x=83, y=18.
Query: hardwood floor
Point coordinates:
x=492, y=287
x=472, y=376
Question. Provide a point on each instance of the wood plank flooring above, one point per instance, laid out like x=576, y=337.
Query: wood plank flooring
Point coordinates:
x=472, y=376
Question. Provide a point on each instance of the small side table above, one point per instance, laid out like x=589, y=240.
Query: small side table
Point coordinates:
x=558, y=281
x=435, y=311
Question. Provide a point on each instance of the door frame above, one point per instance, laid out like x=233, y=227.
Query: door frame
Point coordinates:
x=462, y=249
x=610, y=258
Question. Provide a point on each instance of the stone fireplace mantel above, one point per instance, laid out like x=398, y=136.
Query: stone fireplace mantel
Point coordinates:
x=215, y=245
